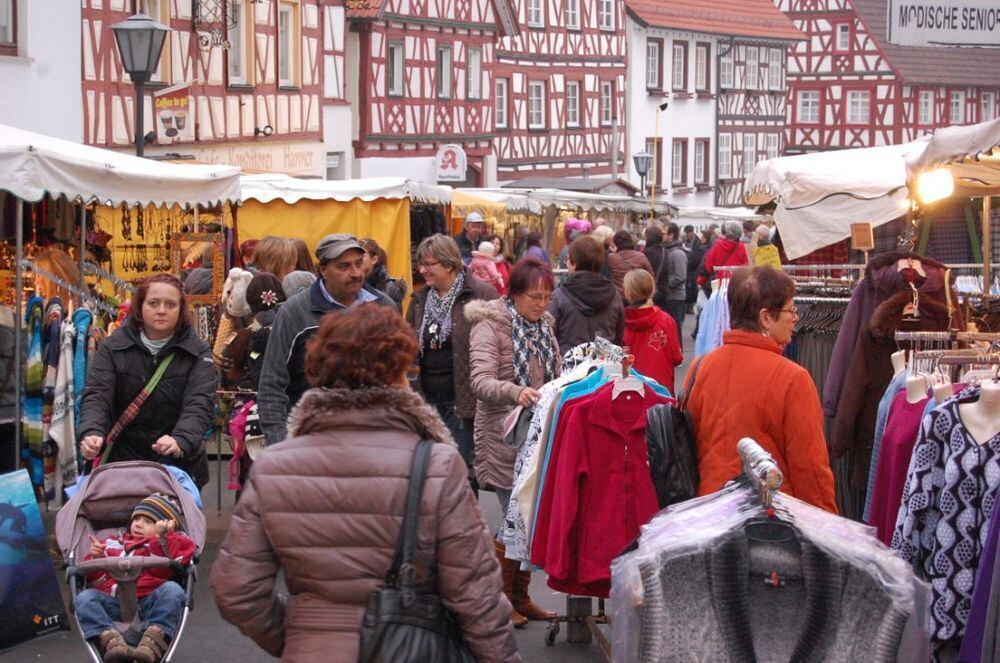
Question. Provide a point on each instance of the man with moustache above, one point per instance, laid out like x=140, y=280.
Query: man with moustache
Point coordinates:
x=340, y=286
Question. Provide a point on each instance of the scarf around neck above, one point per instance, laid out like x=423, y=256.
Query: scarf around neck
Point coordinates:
x=437, y=315
x=531, y=339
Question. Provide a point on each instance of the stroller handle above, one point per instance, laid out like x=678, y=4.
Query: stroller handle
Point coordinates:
x=123, y=569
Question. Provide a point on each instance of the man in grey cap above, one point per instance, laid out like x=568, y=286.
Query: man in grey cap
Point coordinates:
x=468, y=240
x=340, y=286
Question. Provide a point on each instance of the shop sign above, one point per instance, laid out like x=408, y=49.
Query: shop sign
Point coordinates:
x=944, y=23
x=302, y=158
x=451, y=163
x=172, y=114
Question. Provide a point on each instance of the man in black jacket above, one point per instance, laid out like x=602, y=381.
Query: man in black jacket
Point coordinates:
x=340, y=286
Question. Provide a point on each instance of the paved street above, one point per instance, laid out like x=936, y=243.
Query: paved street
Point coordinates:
x=208, y=638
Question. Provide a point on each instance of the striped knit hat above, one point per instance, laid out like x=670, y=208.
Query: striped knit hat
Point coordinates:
x=159, y=507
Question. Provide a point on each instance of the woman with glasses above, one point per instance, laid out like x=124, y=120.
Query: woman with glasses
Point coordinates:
x=513, y=353
x=435, y=313
x=746, y=388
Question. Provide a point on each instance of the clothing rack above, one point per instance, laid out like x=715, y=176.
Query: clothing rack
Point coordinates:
x=85, y=297
x=948, y=336
x=760, y=470
x=808, y=299
x=121, y=284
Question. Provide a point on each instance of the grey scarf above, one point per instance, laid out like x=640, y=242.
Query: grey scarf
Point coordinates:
x=437, y=315
x=531, y=339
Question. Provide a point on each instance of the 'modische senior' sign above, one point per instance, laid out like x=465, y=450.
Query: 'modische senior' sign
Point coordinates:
x=944, y=22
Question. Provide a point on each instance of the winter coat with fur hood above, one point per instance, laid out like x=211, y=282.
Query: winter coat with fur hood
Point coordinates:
x=326, y=506
x=587, y=306
x=461, y=328
x=492, y=380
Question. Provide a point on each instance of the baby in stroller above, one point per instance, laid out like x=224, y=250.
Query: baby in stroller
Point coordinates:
x=153, y=532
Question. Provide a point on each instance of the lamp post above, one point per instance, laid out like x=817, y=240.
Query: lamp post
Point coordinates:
x=643, y=161
x=140, y=43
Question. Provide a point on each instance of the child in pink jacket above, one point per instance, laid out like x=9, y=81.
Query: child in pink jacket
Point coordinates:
x=484, y=267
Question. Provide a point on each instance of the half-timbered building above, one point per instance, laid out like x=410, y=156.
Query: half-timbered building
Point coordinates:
x=849, y=87
x=560, y=91
x=720, y=76
x=243, y=78
x=424, y=81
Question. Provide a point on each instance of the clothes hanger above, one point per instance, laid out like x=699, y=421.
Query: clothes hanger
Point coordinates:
x=628, y=382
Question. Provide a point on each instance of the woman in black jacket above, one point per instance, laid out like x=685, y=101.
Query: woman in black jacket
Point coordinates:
x=170, y=425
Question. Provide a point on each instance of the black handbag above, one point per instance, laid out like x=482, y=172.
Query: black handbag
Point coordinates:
x=402, y=625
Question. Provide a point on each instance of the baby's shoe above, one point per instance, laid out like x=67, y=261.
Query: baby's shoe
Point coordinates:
x=152, y=647
x=113, y=647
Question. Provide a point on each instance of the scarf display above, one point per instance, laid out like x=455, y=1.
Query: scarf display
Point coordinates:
x=82, y=320
x=33, y=385
x=531, y=339
x=437, y=315
x=62, y=431
x=51, y=339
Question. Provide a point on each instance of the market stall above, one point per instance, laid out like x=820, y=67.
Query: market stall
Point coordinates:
x=382, y=208
x=38, y=170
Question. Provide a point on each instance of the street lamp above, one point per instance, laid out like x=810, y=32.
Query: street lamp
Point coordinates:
x=643, y=162
x=140, y=43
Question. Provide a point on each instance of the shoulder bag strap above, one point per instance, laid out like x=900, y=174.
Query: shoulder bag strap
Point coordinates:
x=132, y=411
x=401, y=571
x=689, y=387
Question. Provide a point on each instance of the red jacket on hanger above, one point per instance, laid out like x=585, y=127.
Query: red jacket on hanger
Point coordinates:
x=598, y=494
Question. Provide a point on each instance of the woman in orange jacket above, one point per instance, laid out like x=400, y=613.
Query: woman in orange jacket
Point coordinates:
x=746, y=388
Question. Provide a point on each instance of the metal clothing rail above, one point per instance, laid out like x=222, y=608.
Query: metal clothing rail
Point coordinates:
x=85, y=297
x=946, y=336
x=760, y=469
x=94, y=270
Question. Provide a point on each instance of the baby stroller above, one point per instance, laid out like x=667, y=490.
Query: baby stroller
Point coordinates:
x=102, y=508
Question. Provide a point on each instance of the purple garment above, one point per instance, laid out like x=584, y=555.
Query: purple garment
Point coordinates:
x=538, y=253
x=972, y=644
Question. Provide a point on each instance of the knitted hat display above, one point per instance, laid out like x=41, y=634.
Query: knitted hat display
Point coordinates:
x=234, y=292
x=264, y=292
x=159, y=507
x=297, y=281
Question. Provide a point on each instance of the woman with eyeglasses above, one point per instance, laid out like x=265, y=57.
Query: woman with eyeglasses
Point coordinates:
x=435, y=313
x=746, y=388
x=514, y=352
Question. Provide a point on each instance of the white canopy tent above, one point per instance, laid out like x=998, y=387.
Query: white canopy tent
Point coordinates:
x=33, y=166
x=274, y=186
x=702, y=217
x=819, y=195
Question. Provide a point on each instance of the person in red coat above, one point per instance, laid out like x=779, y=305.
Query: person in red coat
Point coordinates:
x=727, y=252
x=650, y=333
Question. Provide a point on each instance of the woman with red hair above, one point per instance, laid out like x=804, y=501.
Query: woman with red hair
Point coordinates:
x=169, y=425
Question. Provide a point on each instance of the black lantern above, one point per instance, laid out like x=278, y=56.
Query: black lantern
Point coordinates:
x=140, y=43
x=643, y=162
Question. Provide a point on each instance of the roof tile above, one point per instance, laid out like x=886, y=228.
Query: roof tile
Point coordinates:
x=740, y=18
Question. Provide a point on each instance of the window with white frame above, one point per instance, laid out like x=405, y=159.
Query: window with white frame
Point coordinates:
x=654, y=146
x=725, y=156
x=957, y=108
x=536, y=15
x=474, y=73
x=925, y=110
x=858, y=106
x=678, y=73
x=701, y=75
x=501, y=95
x=606, y=14
x=753, y=67
x=843, y=36
x=573, y=104
x=444, y=71
x=8, y=27
x=775, y=66
x=238, y=55
x=653, y=63
x=700, y=161
x=288, y=42
x=808, y=108
x=607, y=102
x=573, y=14
x=726, y=68
x=394, y=69
x=772, y=146
x=536, y=105
x=987, y=112
x=159, y=11
x=749, y=153
x=678, y=170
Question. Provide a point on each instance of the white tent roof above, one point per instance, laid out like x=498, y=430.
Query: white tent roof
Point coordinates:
x=592, y=201
x=33, y=165
x=971, y=153
x=819, y=195
x=267, y=187
x=708, y=215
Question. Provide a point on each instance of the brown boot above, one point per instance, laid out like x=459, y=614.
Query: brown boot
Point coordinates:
x=152, y=647
x=522, y=602
x=508, y=568
x=113, y=647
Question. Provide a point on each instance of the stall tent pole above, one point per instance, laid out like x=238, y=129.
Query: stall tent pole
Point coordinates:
x=83, y=243
x=18, y=331
x=987, y=244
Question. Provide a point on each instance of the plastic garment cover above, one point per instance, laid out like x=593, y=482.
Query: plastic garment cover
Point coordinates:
x=691, y=590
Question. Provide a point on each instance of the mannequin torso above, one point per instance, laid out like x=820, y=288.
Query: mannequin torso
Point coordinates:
x=982, y=418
